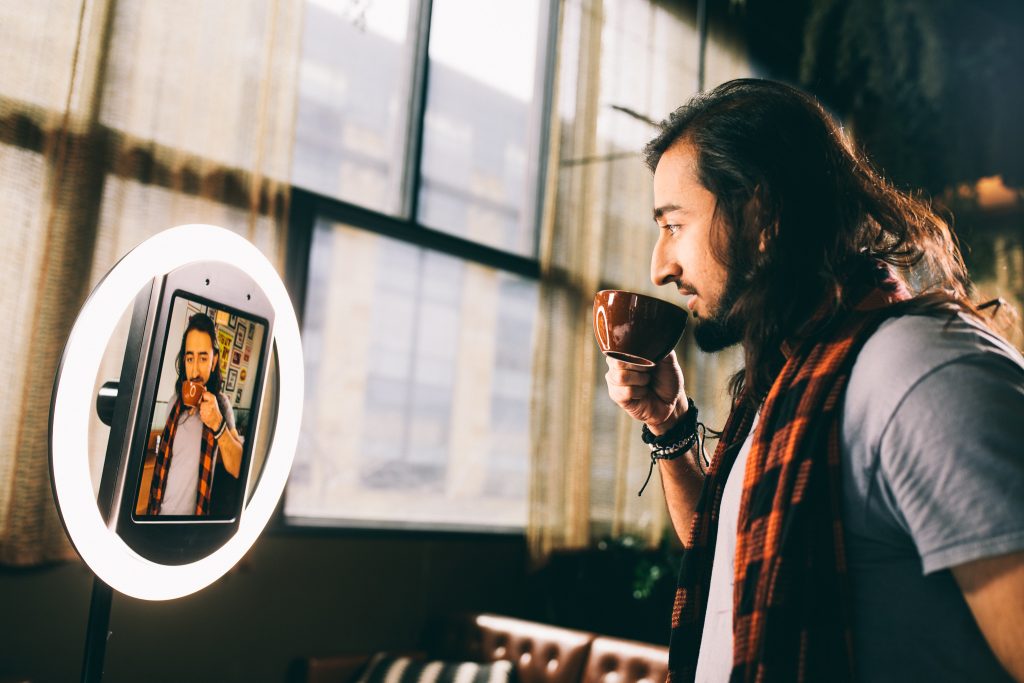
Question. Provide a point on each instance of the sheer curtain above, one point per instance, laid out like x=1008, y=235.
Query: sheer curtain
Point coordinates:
x=118, y=119
x=621, y=65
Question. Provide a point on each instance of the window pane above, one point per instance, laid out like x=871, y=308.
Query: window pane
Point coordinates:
x=480, y=126
x=354, y=86
x=418, y=372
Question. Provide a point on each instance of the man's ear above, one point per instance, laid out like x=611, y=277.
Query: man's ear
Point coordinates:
x=754, y=212
x=767, y=234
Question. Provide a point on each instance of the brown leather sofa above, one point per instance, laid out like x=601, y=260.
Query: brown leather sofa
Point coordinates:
x=540, y=653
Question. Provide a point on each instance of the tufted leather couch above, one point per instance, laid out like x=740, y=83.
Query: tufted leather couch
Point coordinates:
x=540, y=653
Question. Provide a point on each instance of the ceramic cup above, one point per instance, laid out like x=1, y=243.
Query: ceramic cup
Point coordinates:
x=192, y=392
x=634, y=328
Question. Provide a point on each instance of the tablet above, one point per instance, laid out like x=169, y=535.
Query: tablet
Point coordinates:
x=195, y=423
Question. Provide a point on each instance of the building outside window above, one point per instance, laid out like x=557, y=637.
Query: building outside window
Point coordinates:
x=416, y=171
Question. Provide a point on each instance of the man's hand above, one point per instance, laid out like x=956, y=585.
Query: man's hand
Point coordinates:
x=654, y=396
x=209, y=411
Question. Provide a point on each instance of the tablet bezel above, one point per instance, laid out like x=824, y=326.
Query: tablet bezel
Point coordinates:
x=180, y=540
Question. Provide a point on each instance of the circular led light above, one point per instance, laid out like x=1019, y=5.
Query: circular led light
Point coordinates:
x=99, y=546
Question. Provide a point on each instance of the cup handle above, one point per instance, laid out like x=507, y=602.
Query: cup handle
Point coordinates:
x=601, y=328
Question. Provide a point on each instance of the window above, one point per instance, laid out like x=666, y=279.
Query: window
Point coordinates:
x=478, y=142
x=354, y=86
x=416, y=168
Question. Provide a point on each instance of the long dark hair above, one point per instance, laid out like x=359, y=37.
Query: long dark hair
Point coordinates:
x=784, y=172
x=203, y=323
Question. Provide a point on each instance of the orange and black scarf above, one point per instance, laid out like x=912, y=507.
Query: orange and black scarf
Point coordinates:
x=791, y=618
x=162, y=465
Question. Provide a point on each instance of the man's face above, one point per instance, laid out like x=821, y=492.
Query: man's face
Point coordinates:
x=685, y=213
x=199, y=356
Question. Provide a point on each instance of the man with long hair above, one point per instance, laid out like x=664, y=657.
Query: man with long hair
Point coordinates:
x=862, y=517
x=194, y=436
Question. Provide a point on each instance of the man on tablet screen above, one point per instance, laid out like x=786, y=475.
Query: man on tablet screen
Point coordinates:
x=199, y=428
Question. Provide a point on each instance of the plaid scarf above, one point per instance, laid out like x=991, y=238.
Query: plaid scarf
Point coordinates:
x=791, y=617
x=208, y=448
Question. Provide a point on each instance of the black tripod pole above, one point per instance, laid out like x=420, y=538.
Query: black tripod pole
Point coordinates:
x=98, y=631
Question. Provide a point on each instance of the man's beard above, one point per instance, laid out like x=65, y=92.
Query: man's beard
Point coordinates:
x=720, y=330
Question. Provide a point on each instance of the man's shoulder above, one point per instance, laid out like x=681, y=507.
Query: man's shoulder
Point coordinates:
x=906, y=349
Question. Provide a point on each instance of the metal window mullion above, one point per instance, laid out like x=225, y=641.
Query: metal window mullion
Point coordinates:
x=549, y=62
x=417, y=110
x=298, y=250
x=420, y=235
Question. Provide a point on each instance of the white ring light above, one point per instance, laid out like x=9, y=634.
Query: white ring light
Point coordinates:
x=103, y=550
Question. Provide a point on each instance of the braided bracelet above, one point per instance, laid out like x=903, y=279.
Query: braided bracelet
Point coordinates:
x=673, y=443
x=681, y=430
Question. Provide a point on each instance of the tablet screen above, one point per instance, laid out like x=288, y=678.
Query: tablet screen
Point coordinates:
x=199, y=438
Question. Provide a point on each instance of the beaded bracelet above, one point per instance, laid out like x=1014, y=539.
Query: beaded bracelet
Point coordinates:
x=673, y=443
x=683, y=429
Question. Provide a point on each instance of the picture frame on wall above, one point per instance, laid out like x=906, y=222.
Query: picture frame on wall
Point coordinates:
x=240, y=335
x=236, y=358
x=224, y=342
x=238, y=396
x=232, y=379
x=251, y=329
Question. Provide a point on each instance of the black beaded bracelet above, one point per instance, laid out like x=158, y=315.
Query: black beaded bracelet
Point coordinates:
x=673, y=451
x=683, y=429
x=673, y=443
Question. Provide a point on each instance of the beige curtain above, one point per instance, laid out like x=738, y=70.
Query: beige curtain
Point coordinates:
x=621, y=63
x=119, y=119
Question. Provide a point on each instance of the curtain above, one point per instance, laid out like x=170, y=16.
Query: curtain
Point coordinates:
x=118, y=119
x=622, y=65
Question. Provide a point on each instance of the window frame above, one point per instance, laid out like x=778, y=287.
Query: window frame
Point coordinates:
x=307, y=207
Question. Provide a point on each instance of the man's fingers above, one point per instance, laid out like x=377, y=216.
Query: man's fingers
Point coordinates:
x=620, y=373
x=623, y=394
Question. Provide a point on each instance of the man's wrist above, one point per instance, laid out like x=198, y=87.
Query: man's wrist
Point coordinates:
x=677, y=413
x=684, y=427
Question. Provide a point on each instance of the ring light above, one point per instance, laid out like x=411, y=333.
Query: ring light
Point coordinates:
x=100, y=547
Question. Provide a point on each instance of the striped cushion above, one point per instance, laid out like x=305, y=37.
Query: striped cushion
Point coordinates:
x=384, y=668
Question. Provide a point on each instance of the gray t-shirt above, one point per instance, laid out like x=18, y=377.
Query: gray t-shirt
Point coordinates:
x=183, y=474
x=933, y=467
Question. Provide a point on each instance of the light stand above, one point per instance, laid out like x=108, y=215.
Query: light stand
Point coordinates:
x=92, y=521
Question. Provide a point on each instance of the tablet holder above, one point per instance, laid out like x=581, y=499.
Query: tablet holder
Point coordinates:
x=117, y=405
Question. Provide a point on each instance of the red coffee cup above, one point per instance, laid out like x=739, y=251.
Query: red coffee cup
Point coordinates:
x=192, y=392
x=634, y=328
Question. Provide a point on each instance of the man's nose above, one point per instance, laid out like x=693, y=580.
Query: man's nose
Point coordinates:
x=664, y=268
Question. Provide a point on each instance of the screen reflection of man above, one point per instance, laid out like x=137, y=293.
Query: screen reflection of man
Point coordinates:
x=194, y=437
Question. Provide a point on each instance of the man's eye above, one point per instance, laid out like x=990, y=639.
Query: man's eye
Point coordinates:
x=672, y=228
